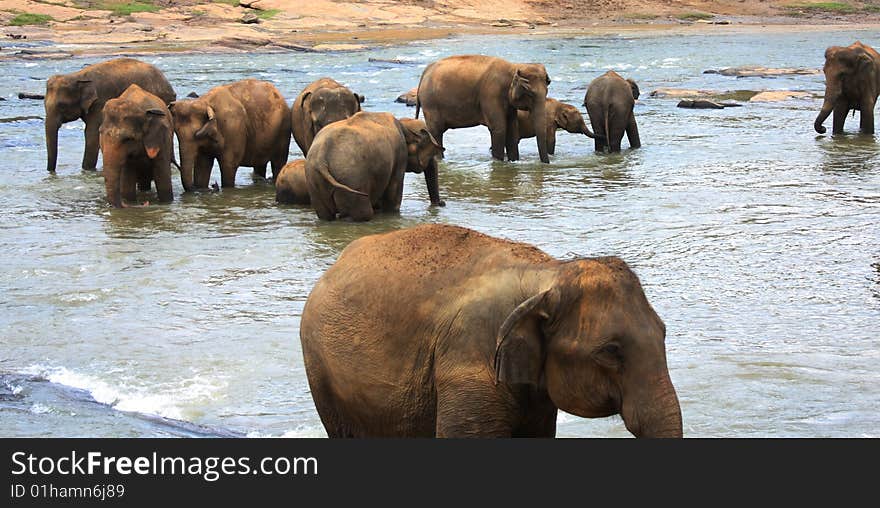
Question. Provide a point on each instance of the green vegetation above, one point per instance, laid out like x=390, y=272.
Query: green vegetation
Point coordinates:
x=28, y=18
x=640, y=15
x=119, y=7
x=807, y=8
x=268, y=14
x=693, y=16
x=233, y=3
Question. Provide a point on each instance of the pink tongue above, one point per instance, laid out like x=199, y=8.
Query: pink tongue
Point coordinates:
x=152, y=152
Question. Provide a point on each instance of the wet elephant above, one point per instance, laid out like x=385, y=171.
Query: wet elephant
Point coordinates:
x=137, y=140
x=82, y=95
x=291, y=186
x=439, y=330
x=469, y=90
x=559, y=116
x=246, y=123
x=610, y=100
x=852, y=83
x=357, y=165
x=321, y=103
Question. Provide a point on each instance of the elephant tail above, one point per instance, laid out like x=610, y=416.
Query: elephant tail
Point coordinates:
x=607, y=132
x=418, y=107
x=324, y=171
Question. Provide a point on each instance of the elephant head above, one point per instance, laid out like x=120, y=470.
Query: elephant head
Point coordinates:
x=422, y=152
x=850, y=74
x=635, y=89
x=327, y=105
x=197, y=129
x=67, y=99
x=597, y=343
x=127, y=132
x=569, y=118
x=528, y=91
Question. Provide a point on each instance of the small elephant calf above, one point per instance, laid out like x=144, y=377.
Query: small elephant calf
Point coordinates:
x=136, y=138
x=559, y=116
x=291, y=186
x=609, y=101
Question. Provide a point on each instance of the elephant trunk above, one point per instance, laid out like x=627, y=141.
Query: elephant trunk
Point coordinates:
x=114, y=163
x=655, y=412
x=431, y=180
x=827, y=108
x=539, y=122
x=583, y=129
x=53, y=123
x=187, y=166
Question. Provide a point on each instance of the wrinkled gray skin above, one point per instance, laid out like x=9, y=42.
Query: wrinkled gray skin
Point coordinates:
x=321, y=103
x=137, y=140
x=559, y=116
x=439, y=330
x=469, y=90
x=291, y=186
x=357, y=165
x=852, y=83
x=82, y=95
x=609, y=101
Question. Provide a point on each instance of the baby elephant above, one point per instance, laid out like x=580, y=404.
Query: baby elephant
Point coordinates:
x=290, y=185
x=356, y=166
x=610, y=100
x=559, y=116
x=246, y=123
x=136, y=138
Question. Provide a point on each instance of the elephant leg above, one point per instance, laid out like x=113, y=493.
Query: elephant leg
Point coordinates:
x=203, y=166
x=598, y=144
x=632, y=133
x=499, y=137
x=279, y=160
x=325, y=210
x=457, y=403
x=90, y=155
x=866, y=117
x=128, y=185
x=227, y=173
x=162, y=177
x=260, y=170
x=352, y=206
x=511, y=136
x=393, y=196
x=840, y=112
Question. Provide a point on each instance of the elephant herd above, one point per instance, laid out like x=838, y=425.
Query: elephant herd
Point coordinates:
x=434, y=330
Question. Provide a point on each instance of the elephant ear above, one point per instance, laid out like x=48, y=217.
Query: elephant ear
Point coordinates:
x=155, y=132
x=634, y=87
x=210, y=129
x=521, y=93
x=360, y=98
x=519, y=346
x=88, y=94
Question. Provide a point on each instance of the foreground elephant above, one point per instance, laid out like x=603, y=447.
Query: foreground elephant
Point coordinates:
x=82, y=95
x=321, y=103
x=357, y=165
x=559, y=116
x=290, y=184
x=137, y=140
x=852, y=83
x=439, y=330
x=246, y=123
x=609, y=101
x=469, y=90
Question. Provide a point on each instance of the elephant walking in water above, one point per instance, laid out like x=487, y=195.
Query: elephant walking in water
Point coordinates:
x=82, y=95
x=439, y=330
x=852, y=83
x=470, y=90
x=357, y=165
x=137, y=139
x=559, y=116
x=610, y=100
x=246, y=123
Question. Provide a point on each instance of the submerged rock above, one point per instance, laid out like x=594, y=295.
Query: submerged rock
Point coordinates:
x=780, y=95
x=35, y=96
x=749, y=71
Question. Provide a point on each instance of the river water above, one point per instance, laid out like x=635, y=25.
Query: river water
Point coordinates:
x=756, y=240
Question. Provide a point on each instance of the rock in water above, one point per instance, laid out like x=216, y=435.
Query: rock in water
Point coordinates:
x=408, y=98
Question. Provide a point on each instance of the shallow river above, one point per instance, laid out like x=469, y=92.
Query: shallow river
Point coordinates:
x=756, y=240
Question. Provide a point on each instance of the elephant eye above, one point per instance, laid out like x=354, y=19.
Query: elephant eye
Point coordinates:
x=609, y=355
x=611, y=348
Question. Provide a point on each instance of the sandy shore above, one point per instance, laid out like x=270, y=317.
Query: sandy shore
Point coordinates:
x=63, y=28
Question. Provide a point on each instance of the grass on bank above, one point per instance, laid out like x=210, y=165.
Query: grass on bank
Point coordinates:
x=694, y=16
x=640, y=15
x=29, y=18
x=119, y=7
x=802, y=8
x=268, y=14
x=233, y=3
